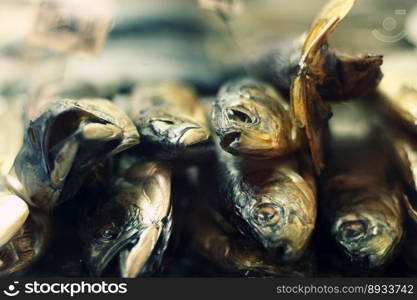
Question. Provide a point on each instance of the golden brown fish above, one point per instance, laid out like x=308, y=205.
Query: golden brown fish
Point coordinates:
x=271, y=201
x=134, y=224
x=169, y=119
x=396, y=100
x=362, y=197
x=350, y=76
x=251, y=119
x=215, y=239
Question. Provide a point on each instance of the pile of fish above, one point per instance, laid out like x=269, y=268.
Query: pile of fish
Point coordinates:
x=307, y=167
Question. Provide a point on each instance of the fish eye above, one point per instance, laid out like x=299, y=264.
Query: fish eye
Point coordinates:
x=238, y=115
x=267, y=214
x=353, y=230
x=107, y=233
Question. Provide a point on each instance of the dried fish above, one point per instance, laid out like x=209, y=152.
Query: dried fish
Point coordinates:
x=362, y=196
x=134, y=224
x=26, y=247
x=271, y=201
x=251, y=119
x=63, y=144
x=217, y=240
x=313, y=78
x=396, y=101
x=169, y=119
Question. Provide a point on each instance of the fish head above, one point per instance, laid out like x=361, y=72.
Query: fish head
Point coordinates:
x=66, y=138
x=368, y=237
x=252, y=120
x=283, y=218
x=112, y=229
x=130, y=223
x=174, y=133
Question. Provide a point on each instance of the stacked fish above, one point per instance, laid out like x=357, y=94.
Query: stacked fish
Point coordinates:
x=113, y=181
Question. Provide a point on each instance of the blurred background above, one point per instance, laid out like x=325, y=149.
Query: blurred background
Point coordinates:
x=181, y=38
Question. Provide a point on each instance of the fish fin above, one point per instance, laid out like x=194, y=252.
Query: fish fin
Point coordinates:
x=325, y=23
x=308, y=109
x=310, y=112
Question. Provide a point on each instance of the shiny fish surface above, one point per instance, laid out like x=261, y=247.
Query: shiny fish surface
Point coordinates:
x=134, y=224
x=63, y=144
x=169, y=119
x=26, y=247
x=357, y=76
x=217, y=240
x=251, y=119
x=362, y=196
x=273, y=202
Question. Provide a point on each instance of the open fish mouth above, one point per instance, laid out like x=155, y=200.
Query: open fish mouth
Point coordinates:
x=231, y=141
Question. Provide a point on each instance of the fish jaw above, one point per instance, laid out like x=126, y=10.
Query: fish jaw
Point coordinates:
x=174, y=136
x=100, y=255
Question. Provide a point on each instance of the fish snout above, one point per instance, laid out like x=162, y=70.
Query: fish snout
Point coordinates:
x=193, y=135
x=231, y=141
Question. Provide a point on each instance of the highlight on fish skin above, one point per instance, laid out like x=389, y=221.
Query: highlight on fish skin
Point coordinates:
x=26, y=247
x=134, y=224
x=62, y=144
x=362, y=197
x=358, y=75
x=272, y=203
x=169, y=118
